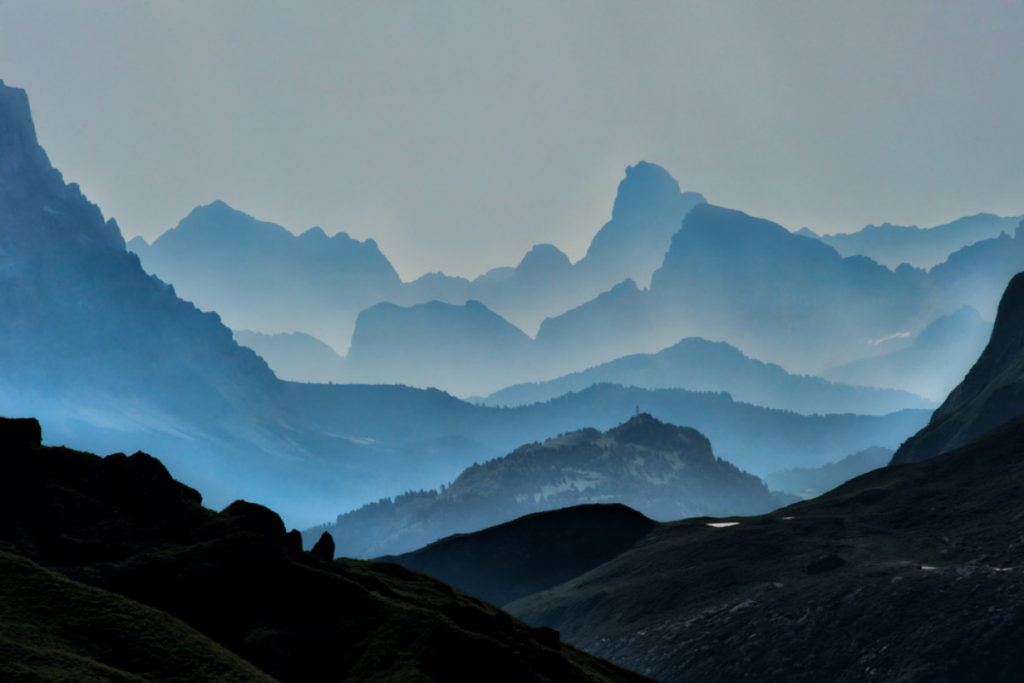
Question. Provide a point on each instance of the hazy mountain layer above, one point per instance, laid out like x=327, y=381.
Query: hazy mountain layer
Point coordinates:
x=261, y=277
x=992, y=392
x=935, y=360
x=236, y=579
x=700, y=365
x=810, y=482
x=892, y=245
x=465, y=349
x=295, y=356
x=664, y=471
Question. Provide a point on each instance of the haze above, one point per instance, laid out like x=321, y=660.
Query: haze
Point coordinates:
x=458, y=133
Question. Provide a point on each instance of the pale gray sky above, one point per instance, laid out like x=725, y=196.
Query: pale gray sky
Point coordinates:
x=457, y=134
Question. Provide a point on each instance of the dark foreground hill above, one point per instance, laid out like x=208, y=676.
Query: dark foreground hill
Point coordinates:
x=907, y=573
x=145, y=583
x=532, y=553
x=664, y=471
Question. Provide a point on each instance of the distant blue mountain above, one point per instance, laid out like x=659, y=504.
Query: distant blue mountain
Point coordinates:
x=295, y=356
x=259, y=276
x=700, y=365
x=934, y=361
x=892, y=245
x=465, y=349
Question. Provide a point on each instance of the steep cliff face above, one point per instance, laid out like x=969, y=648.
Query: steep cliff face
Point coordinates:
x=991, y=394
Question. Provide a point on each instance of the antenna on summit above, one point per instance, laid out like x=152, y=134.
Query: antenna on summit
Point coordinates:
x=638, y=411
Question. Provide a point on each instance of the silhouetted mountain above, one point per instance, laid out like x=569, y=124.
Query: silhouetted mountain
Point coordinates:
x=905, y=573
x=931, y=364
x=465, y=349
x=532, y=553
x=810, y=482
x=700, y=365
x=235, y=580
x=892, y=245
x=295, y=356
x=665, y=472
x=259, y=276
x=991, y=394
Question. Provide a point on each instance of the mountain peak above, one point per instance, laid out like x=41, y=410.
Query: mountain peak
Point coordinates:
x=645, y=184
x=23, y=163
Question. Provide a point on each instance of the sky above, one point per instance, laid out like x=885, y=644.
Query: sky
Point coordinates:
x=458, y=134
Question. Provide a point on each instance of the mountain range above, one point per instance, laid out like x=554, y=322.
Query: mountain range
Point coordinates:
x=701, y=365
x=254, y=272
x=111, y=359
x=892, y=245
x=702, y=271
x=661, y=470
x=909, y=572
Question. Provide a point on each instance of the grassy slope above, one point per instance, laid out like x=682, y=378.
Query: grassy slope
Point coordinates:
x=56, y=629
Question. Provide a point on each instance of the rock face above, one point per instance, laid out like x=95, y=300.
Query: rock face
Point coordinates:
x=991, y=394
x=661, y=470
x=148, y=551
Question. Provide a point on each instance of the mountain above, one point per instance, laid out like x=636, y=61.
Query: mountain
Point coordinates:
x=465, y=349
x=771, y=293
x=295, y=356
x=931, y=364
x=124, y=553
x=810, y=482
x=647, y=212
x=991, y=393
x=663, y=471
x=892, y=245
x=260, y=276
x=701, y=365
x=531, y=553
